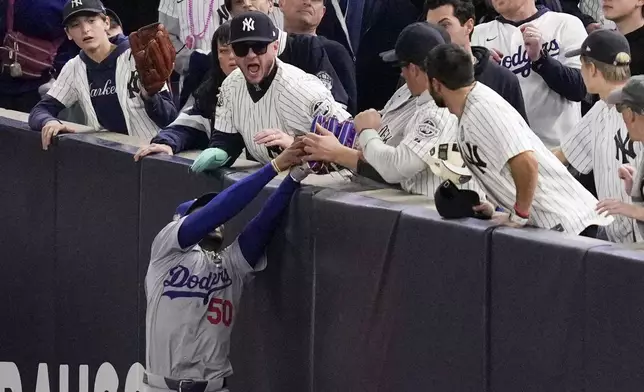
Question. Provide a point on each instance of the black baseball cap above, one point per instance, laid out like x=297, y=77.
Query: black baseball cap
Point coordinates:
x=605, y=46
x=113, y=16
x=75, y=7
x=454, y=203
x=252, y=26
x=414, y=42
x=630, y=95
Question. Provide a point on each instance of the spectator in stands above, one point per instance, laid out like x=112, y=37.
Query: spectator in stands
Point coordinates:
x=236, y=7
x=457, y=17
x=303, y=17
x=629, y=101
x=628, y=15
x=205, y=97
x=40, y=19
x=116, y=26
x=108, y=89
x=588, y=11
x=531, y=41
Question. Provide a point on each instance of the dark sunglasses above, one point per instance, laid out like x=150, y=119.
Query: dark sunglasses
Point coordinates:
x=241, y=48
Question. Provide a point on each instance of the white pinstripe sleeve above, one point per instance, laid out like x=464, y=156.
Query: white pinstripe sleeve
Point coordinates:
x=300, y=105
x=64, y=89
x=224, y=111
x=169, y=7
x=498, y=139
x=193, y=119
x=577, y=144
x=425, y=131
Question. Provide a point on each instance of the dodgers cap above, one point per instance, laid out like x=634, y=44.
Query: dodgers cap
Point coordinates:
x=187, y=207
x=414, y=42
x=252, y=26
x=75, y=7
x=630, y=95
x=605, y=46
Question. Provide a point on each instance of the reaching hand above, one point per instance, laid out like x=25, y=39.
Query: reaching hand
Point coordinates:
x=321, y=145
x=496, y=55
x=292, y=155
x=152, y=149
x=273, y=137
x=50, y=130
x=485, y=208
x=533, y=41
x=626, y=172
x=369, y=119
x=617, y=207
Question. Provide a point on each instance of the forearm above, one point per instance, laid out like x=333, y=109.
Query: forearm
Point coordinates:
x=394, y=164
x=563, y=80
x=259, y=232
x=231, y=143
x=347, y=157
x=223, y=207
x=181, y=138
x=525, y=173
x=46, y=110
x=161, y=109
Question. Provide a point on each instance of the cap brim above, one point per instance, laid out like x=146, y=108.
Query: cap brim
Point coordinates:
x=253, y=39
x=114, y=16
x=460, y=170
x=389, y=56
x=573, y=53
x=616, y=97
x=86, y=10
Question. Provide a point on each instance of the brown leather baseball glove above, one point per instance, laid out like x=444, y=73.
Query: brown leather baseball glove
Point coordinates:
x=154, y=55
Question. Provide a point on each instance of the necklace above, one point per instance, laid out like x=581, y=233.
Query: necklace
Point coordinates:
x=192, y=38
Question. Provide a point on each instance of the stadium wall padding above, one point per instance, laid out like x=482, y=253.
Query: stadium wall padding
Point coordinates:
x=360, y=294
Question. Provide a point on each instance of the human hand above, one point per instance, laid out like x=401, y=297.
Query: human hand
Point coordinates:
x=592, y=27
x=152, y=149
x=369, y=119
x=321, y=145
x=533, y=41
x=626, y=172
x=485, y=208
x=503, y=219
x=50, y=130
x=273, y=137
x=617, y=207
x=292, y=155
x=496, y=55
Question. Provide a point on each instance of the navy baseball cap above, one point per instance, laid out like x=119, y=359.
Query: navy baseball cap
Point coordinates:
x=605, y=46
x=454, y=203
x=187, y=207
x=252, y=26
x=75, y=7
x=630, y=95
x=113, y=16
x=414, y=42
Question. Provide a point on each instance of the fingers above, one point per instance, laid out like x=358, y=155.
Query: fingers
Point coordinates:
x=496, y=55
x=480, y=208
x=322, y=131
x=152, y=149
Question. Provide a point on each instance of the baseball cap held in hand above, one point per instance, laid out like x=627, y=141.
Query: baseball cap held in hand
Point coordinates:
x=454, y=203
x=252, y=26
x=74, y=7
x=605, y=46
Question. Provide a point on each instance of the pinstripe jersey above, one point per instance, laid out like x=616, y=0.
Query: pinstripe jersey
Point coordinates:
x=490, y=133
x=179, y=9
x=550, y=114
x=72, y=86
x=600, y=143
x=290, y=103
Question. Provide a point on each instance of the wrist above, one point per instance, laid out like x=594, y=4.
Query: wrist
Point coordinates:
x=347, y=157
x=522, y=213
x=277, y=166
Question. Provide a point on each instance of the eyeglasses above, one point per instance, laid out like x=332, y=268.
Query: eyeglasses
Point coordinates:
x=241, y=48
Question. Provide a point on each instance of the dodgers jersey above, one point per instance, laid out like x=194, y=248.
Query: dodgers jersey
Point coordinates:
x=73, y=86
x=192, y=302
x=600, y=142
x=491, y=132
x=550, y=115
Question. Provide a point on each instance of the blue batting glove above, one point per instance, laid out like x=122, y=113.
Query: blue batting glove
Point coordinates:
x=209, y=159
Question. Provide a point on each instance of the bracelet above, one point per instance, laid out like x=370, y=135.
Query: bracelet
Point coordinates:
x=522, y=214
x=275, y=167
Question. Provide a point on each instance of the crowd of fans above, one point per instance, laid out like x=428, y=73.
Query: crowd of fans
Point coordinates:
x=556, y=63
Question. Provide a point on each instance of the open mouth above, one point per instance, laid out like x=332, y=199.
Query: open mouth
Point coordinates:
x=253, y=69
x=87, y=39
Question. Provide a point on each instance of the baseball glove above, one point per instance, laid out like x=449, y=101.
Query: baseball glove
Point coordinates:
x=154, y=56
x=344, y=131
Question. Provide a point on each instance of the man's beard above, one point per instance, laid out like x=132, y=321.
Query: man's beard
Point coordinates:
x=440, y=102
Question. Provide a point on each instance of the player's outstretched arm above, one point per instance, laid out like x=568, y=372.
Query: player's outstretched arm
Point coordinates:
x=256, y=236
x=232, y=200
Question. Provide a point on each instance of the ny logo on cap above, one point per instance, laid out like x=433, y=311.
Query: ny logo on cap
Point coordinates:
x=76, y=3
x=247, y=25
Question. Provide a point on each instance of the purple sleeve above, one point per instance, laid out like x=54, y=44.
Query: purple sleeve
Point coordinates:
x=46, y=110
x=161, y=109
x=259, y=232
x=223, y=207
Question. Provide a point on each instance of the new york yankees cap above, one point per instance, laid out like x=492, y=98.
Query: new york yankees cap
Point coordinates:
x=252, y=26
x=414, y=42
x=115, y=18
x=74, y=7
x=605, y=46
x=630, y=95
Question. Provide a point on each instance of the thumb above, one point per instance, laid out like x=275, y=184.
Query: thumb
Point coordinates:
x=322, y=131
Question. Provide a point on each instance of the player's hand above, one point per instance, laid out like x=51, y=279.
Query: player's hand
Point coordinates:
x=533, y=41
x=369, y=119
x=592, y=27
x=273, y=137
x=50, y=130
x=292, y=155
x=152, y=149
x=321, y=145
x=485, y=208
x=496, y=55
x=617, y=207
x=626, y=173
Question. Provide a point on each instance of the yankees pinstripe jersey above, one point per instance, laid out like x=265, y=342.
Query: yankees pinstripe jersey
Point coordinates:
x=192, y=302
x=290, y=103
x=550, y=115
x=600, y=143
x=490, y=133
x=72, y=86
x=396, y=115
x=206, y=17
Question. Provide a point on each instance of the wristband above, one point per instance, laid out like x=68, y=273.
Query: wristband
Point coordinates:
x=275, y=167
x=522, y=214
